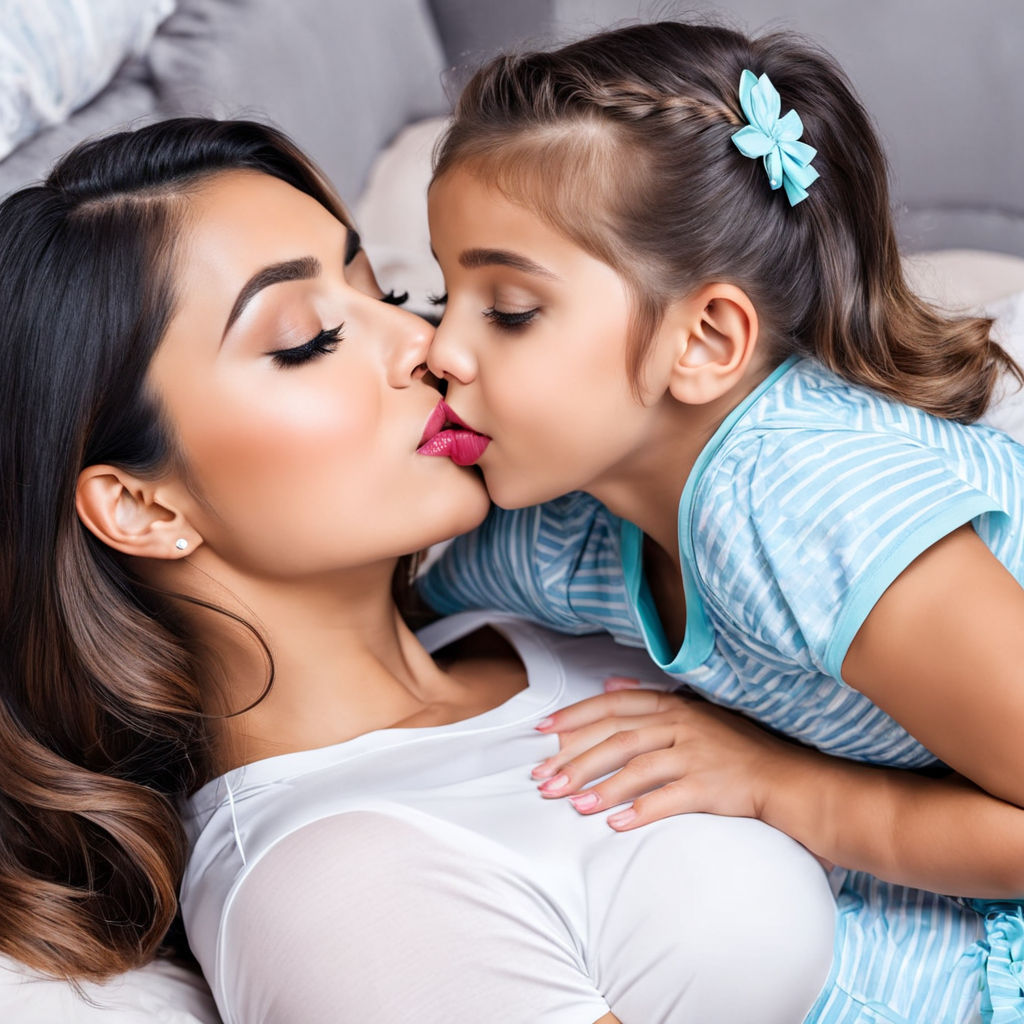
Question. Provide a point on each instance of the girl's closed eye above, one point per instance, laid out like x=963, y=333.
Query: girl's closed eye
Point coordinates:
x=509, y=320
x=323, y=344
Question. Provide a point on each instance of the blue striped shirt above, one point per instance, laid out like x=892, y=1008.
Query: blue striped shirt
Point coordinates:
x=811, y=498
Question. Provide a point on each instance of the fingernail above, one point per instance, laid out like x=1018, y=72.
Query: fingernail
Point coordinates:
x=543, y=771
x=584, y=801
x=545, y=723
x=622, y=819
x=558, y=782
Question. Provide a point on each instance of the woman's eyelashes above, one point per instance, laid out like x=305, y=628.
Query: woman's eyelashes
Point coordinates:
x=326, y=341
x=323, y=344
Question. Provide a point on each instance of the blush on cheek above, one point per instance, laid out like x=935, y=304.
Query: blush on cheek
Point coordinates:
x=260, y=454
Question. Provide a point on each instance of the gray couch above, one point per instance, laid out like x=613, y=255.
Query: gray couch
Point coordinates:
x=344, y=76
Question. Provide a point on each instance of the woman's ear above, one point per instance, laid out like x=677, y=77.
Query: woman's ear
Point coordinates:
x=131, y=515
x=717, y=331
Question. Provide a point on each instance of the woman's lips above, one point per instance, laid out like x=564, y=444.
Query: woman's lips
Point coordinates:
x=446, y=434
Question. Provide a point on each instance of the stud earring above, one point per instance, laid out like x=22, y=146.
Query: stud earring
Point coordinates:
x=181, y=543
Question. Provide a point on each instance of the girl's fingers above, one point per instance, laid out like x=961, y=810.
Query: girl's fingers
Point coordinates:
x=619, y=703
x=680, y=796
x=633, y=748
x=576, y=742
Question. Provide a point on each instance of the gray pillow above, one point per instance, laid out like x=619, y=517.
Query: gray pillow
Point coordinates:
x=340, y=77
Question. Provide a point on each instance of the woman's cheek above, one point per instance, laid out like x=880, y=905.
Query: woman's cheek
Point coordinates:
x=292, y=440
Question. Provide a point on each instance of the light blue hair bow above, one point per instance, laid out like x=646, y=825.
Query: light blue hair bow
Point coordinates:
x=787, y=161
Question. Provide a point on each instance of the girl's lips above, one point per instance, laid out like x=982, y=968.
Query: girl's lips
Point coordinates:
x=446, y=434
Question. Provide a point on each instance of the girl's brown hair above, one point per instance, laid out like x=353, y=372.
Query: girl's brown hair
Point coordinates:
x=102, y=721
x=622, y=142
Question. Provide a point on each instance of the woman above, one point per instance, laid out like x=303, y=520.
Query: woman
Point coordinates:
x=208, y=478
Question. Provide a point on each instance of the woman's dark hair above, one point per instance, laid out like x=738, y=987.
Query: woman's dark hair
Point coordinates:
x=623, y=143
x=102, y=720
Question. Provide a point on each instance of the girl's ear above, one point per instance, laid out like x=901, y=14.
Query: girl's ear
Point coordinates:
x=717, y=330
x=132, y=516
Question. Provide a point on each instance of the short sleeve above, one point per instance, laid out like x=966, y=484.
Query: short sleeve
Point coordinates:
x=800, y=532
x=366, y=917
x=558, y=564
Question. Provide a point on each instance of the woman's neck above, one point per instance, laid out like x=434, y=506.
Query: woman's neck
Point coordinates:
x=344, y=661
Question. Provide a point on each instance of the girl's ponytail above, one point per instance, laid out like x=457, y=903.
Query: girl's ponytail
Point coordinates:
x=863, y=320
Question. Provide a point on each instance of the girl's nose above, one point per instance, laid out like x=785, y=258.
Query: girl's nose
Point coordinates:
x=449, y=358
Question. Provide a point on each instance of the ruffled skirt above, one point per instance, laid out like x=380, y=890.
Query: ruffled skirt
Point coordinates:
x=904, y=956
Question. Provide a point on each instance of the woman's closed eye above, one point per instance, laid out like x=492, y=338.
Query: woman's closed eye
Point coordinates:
x=323, y=344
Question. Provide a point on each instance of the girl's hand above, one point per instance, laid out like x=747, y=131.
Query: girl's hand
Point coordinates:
x=670, y=755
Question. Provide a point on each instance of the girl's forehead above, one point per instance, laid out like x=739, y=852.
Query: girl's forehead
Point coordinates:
x=477, y=222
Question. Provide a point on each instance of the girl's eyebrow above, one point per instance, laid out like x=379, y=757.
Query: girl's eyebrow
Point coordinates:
x=473, y=258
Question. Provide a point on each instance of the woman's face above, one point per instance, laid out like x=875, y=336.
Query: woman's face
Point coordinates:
x=534, y=345
x=297, y=396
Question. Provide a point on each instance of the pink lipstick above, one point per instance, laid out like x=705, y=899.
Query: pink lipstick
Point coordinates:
x=446, y=434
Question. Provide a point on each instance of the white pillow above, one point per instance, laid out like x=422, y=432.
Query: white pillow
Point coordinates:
x=56, y=55
x=964, y=278
x=1007, y=411
x=392, y=215
x=160, y=992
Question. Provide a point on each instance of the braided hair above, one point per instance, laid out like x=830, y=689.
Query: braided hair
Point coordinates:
x=622, y=142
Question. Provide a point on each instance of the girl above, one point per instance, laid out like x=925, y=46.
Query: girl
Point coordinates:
x=666, y=294
x=209, y=417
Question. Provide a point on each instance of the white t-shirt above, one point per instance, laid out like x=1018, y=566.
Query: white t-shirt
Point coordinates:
x=416, y=874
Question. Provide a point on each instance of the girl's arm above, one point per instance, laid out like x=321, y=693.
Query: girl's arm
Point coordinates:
x=944, y=835
x=942, y=652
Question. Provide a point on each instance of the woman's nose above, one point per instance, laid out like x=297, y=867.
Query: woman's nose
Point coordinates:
x=407, y=356
x=448, y=357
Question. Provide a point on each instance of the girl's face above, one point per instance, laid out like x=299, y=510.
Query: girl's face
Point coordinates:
x=534, y=346
x=297, y=396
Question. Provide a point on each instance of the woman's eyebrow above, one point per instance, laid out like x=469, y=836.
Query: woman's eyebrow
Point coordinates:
x=301, y=269
x=473, y=258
